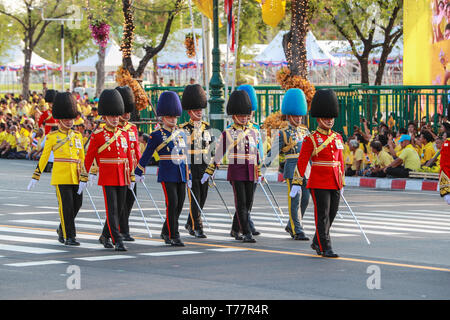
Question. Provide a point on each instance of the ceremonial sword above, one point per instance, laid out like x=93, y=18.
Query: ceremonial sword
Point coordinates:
x=142, y=213
x=90, y=198
x=351, y=211
x=201, y=211
x=151, y=197
x=278, y=216
x=220, y=195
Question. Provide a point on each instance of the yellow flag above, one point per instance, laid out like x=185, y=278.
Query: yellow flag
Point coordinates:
x=206, y=7
x=273, y=11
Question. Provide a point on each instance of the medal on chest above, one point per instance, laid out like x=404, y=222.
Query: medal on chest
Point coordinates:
x=339, y=145
x=123, y=143
x=132, y=136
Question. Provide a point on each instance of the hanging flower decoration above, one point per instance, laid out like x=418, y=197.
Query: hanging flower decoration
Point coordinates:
x=189, y=44
x=288, y=81
x=100, y=32
x=123, y=78
x=273, y=122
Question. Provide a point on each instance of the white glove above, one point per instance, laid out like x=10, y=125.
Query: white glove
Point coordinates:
x=189, y=184
x=294, y=190
x=92, y=179
x=32, y=184
x=260, y=179
x=447, y=198
x=81, y=187
x=131, y=186
x=205, y=178
x=139, y=178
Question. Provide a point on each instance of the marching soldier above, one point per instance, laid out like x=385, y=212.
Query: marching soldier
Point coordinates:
x=444, y=178
x=46, y=119
x=170, y=143
x=254, y=101
x=133, y=135
x=68, y=168
x=324, y=148
x=290, y=141
x=110, y=148
x=199, y=138
x=239, y=144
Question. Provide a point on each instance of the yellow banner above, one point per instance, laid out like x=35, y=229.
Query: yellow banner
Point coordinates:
x=426, y=37
x=206, y=7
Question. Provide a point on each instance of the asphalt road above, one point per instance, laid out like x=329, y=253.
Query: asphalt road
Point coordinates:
x=407, y=258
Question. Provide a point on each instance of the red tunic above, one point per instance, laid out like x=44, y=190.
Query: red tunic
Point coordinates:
x=444, y=186
x=46, y=119
x=114, y=161
x=327, y=167
x=133, y=136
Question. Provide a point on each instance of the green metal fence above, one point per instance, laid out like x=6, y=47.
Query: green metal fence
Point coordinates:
x=357, y=101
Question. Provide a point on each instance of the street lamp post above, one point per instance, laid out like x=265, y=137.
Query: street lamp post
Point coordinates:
x=216, y=100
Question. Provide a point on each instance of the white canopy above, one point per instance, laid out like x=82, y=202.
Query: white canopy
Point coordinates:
x=16, y=58
x=173, y=55
x=113, y=60
x=315, y=53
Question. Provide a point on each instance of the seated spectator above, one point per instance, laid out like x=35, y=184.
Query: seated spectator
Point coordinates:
x=408, y=160
x=358, y=159
x=35, y=149
x=428, y=150
x=381, y=161
x=10, y=142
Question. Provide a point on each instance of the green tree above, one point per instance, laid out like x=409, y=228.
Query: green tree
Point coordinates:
x=359, y=22
x=32, y=27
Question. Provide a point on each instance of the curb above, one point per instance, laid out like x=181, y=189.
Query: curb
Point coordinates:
x=361, y=182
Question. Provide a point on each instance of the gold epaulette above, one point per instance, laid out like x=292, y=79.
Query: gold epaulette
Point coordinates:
x=183, y=125
x=98, y=130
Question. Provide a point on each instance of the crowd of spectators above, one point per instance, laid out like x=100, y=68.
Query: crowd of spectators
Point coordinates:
x=385, y=152
x=21, y=131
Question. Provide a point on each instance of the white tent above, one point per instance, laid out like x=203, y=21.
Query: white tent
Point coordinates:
x=113, y=60
x=16, y=58
x=274, y=55
x=173, y=55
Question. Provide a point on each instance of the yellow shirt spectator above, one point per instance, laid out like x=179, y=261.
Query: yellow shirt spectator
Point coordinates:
x=12, y=139
x=428, y=153
x=383, y=159
x=410, y=158
x=358, y=155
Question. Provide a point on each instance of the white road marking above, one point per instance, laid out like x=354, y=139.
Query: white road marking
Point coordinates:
x=104, y=258
x=34, y=250
x=34, y=263
x=169, y=253
x=227, y=249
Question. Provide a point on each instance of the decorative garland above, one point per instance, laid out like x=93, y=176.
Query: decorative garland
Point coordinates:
x=189, y=44
x=100, y=32
x=287, y=81
x=123, y=78
x=274, y=122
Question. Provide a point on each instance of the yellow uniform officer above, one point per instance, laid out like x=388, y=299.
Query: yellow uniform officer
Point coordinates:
x=68, y=151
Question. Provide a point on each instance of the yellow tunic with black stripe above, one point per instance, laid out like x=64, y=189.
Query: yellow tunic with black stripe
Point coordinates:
x=68, y=155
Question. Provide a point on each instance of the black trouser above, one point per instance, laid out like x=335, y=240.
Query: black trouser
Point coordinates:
x=251, y=224
x=326, y=205
x=398, y=172
x=175, y=193
x=126, y=211
x=243, y=201
x=69, y=204
x=114, y=202
x=200, y=192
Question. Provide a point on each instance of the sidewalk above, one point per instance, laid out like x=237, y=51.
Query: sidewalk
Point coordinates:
x=362, y=182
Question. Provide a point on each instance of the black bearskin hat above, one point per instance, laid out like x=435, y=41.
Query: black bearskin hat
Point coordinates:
x=110, y=103
x=324, y=104
x=239, y=103
x=50, y=95
x=194, y=97
x=127, y=97
x=64, y=106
